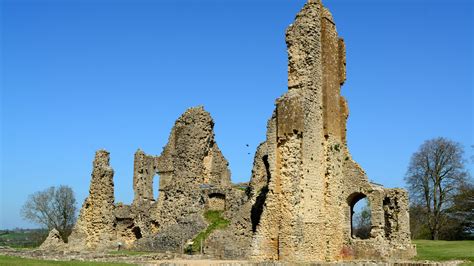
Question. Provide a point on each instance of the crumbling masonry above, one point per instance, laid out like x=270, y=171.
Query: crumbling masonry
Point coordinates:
x=314, y=183
x=299, y=202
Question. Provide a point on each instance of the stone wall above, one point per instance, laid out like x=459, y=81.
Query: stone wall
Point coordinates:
x=190, y=164
x=191, y=168
x=304, y=184
x=144, y=169
x=216, y=202
x=314, y=182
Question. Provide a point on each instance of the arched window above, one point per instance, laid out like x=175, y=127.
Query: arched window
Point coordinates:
x=361, y=215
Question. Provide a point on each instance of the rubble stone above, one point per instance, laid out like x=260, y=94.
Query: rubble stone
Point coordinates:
x=54, y=241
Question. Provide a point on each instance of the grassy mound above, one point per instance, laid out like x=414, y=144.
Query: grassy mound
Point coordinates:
x=216, y=222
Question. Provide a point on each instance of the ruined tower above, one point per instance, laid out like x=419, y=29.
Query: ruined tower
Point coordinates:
x=313, y=181
x=94, y=229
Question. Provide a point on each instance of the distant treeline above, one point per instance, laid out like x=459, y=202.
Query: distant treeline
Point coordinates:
x=22, y=238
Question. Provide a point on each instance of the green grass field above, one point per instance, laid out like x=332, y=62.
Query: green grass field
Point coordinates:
x=23, y=239
x=445, y=250
x=4, y=260
x=427, y=250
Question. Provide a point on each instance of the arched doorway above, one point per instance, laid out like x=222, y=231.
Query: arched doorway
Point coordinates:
x=361, y=216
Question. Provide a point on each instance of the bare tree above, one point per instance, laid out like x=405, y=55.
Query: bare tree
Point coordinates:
x=52, y=208
x=362, y=223
x=435, y=174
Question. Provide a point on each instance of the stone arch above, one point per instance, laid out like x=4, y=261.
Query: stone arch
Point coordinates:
x=361, y=228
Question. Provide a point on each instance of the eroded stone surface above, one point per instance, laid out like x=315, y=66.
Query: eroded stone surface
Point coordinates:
x=299, y=202
x=314, y=182
x=194, y=177
x=54, y=241
x=95, y=227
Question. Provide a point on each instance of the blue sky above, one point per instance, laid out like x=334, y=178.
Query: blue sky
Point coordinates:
x=77, y=76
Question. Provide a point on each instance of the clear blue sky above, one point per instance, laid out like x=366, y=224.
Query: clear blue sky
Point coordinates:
x=78, y=76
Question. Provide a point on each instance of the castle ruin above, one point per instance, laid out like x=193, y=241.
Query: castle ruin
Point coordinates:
x=299, y=202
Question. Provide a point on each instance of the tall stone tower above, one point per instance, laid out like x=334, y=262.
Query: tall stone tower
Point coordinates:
x=314, y=183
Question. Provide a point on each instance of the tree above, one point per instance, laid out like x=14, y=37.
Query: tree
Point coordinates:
x=435, y=174
x=362, y=222
x=52, y=208
x=472, y=156
x=418, y=222
x=460, y=215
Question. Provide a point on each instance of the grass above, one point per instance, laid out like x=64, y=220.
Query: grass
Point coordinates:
x=6, y=260
x=216, y=222
x=445, y=250
x=22, y=239
x=427, y=249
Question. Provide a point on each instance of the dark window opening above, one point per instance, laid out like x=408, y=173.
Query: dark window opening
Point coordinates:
x=267, y=167
x=137, y=232
x=257, y=208
x=217, y=195
x=156, y=186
